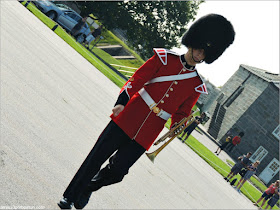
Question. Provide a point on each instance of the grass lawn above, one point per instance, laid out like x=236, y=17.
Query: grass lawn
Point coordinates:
x=250, y=191
x=78, y=47
x=223, y=168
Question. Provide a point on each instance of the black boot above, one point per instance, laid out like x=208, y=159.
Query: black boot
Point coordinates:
x=85, y=196
x=94, y=185
x=83, y=200
x=64, y=203
x=226, y=179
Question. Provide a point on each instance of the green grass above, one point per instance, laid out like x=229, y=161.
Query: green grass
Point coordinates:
x=132, y=63
x=90, y=57
x=111, y=39
x=230, y=162
x=47, y=21
x=219, y=165
x=114, y=77
x=117, y=40
x=106, y=57
x=256, y=182
x=247, y=189
x=223, y=168
x=208, y=156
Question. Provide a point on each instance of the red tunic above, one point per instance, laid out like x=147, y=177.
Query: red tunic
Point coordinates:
x=175, y=97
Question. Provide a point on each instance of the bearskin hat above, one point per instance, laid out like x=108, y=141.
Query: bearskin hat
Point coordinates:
x=213, y=33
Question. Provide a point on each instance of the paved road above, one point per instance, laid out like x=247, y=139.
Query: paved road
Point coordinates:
x=54, y=104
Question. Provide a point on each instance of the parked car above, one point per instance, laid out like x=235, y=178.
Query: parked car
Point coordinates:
x=64, y=16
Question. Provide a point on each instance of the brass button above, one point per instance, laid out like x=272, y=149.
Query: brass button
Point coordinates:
x=175, y=82
x=156, y=110
x=171, y=89
x=162, y=101
x=131, y=79
x=167, y=95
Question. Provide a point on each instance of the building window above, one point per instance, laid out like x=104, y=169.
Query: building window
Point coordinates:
x=270, y=171
x=274, y=166
x=259, y=154
x=276, y=132
x=232, y=98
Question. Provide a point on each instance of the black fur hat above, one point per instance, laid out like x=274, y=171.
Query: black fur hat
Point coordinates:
x=213, y=33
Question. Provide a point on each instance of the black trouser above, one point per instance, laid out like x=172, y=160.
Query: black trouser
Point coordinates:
x=189, y=129
x=224, y=145
x=230, y=147
x=112, y=139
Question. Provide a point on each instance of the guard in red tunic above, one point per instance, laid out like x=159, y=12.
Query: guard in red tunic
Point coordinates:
x=166, y=86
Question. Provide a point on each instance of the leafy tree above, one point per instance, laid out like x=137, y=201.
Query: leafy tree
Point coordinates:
x=147, y=24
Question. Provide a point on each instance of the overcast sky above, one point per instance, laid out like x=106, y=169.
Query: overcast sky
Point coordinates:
x=256, y=44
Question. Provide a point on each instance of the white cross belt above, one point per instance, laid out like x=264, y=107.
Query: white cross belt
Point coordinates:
x=173, y=77
x=152, y=105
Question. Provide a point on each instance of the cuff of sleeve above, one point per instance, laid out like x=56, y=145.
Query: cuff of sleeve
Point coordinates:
x=122, y=99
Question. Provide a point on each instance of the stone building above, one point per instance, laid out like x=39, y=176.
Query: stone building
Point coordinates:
x=249, y=102
x=205, y=101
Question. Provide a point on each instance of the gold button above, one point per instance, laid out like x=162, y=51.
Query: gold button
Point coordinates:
x=166, y=95
x=171, y=89
x=156, y=110
x=131, y=79
x=184, y=70
x=175, y=82
x=162, y=101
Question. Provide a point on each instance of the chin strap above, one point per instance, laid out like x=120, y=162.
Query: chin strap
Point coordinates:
x=195, y=60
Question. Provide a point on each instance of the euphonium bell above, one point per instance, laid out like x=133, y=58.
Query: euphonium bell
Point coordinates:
x=173, y=133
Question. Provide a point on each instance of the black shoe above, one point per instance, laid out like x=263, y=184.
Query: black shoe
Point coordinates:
x=226, y=179
x=83, y=200
x=215, y=152
x=65, y=204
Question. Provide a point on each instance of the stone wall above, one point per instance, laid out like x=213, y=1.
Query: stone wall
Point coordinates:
x=205, y=101
x=244, y=87
x=258, y=123
x=252, y=106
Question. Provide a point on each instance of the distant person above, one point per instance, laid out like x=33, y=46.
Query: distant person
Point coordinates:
x=191, y=127
x=80, y=24
x=273, y=200
x=244, y=161
x=268, y=193
x=94, y=34
x=252, y=169
x=223, y=146
x=235, y=141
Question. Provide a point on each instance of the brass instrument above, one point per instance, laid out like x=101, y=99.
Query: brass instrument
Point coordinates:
x=173, y=133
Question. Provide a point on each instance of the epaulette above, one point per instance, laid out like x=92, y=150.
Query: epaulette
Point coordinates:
x=162, y=54
x=201, y=88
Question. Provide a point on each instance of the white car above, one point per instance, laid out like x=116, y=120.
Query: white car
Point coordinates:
x=64, y=16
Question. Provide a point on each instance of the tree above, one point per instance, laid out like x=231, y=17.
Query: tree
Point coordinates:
x=147, y=24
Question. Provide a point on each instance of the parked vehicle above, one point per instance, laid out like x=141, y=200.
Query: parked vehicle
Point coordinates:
x=64, y=16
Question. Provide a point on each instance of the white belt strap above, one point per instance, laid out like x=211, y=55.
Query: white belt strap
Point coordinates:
x=173, y=77
x=152, y=105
